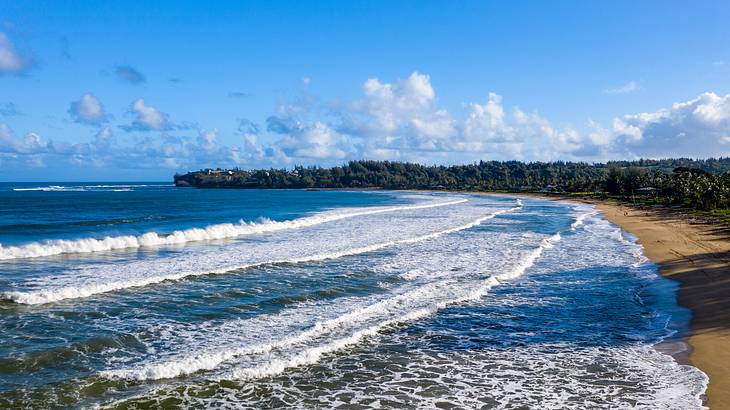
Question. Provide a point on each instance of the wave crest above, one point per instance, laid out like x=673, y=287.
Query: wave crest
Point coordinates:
x=212, y=232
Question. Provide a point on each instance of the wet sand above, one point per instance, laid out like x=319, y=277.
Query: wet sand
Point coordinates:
x=695, y=252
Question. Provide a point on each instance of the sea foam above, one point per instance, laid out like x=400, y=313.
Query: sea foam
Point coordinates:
x=212, y=232
x=357, y=324
x=94, y=284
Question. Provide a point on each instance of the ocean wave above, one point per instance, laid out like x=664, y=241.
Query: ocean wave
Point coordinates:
x=401, y=308
x=89, y=188
x=313, y=354
x=211, y=232
x=628, y=241
x=389, y=308
x=89, y=288
x=580, y=220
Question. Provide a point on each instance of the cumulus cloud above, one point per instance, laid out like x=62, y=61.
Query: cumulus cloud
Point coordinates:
x=398, y=120
x=170, y=152
x=129, y=74
x=627, y=88
x=11, y=62
x=399, y=114
x=88, y=110
x=699, y=127
x=402, y=120
x=314, y=141
x=148, y=118
x=208, y=139
x=26, y=147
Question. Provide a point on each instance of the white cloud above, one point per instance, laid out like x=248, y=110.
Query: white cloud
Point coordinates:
x=401, y=120
x=10, y=61
x=88, y=110
x=712, y=109
x=208, y=139
x=627, y=88
x=487, y=121
x=387, y=109
x=148, y=117
x=691, y=128
x=410, y=95
x=31, y=143
x=315, y=141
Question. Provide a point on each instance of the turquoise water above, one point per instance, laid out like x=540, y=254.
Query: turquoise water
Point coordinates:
x=145, y=296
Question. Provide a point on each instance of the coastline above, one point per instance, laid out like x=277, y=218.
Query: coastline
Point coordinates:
x=689, y=249
x=696, y=253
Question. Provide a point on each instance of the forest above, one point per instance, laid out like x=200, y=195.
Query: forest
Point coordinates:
x=701, y=184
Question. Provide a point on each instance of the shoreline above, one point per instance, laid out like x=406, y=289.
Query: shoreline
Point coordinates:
x=695, y=252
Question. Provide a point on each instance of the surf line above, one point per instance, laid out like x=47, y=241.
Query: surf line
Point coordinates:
x=42, y=296
x=210, y=360
x=313, y=354
x=211, y=232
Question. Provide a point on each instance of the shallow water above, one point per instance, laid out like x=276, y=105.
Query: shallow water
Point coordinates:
x=129, y=296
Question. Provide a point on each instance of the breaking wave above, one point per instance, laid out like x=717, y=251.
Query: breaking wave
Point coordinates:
x=212, y=232
x=389, y=308
x=81, y=290
x=401, y=308
x=580, y=220
x=89, y=188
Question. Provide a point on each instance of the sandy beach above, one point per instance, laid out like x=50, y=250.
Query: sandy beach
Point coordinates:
x=694, y=251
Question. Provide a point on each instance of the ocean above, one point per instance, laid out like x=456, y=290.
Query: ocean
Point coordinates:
x=130, y=295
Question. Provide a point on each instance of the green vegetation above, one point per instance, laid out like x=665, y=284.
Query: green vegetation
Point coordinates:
x=721, y=214
x=699, y=184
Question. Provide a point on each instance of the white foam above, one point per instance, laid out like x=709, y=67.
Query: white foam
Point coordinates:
x=529, y=375
x=212, y=232
x=45, y=188
x=85, y=285
x=628, y=241
x=346, y=329
x=580, y=220
x=86, y=188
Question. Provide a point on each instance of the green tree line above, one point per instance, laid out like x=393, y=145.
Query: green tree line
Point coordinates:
x=702, y=184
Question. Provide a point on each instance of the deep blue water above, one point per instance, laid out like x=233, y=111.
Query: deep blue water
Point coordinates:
x=145, y=295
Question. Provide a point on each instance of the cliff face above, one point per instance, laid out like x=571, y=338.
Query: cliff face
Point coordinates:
x=182, y=183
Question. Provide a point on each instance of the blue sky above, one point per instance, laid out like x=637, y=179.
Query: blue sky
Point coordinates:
x=138, y=91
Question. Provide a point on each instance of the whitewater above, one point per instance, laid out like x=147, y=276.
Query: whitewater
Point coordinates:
x=179, y=237
x=327, y=299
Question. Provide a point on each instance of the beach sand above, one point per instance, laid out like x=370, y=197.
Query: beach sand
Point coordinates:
x=695, y=252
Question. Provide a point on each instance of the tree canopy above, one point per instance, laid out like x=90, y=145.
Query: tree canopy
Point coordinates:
x=702, y=184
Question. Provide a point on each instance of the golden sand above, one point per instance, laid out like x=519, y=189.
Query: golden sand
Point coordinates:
x=695, y=252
